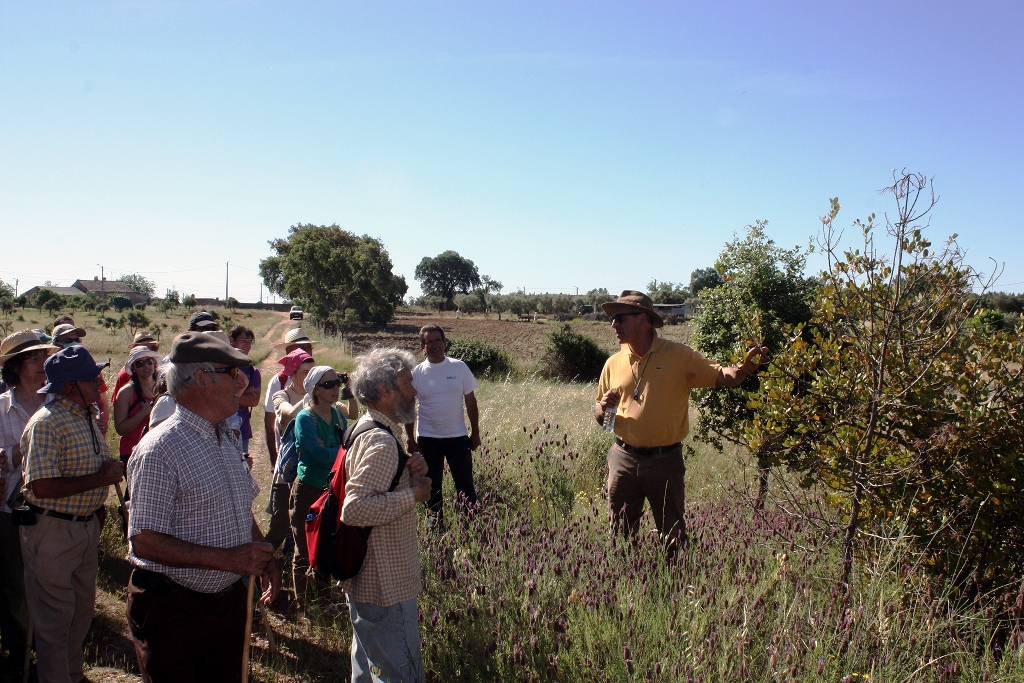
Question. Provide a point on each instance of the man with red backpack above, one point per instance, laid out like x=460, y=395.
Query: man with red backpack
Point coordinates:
x=382, y=596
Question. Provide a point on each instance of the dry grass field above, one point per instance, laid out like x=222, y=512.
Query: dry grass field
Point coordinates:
x=534, y=588
x=526, y=341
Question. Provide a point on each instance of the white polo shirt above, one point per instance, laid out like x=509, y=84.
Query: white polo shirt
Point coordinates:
x=441, y=388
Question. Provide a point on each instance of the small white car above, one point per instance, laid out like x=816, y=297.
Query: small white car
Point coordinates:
x=295, y=313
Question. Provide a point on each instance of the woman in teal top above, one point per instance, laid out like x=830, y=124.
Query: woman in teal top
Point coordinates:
x=319, y=428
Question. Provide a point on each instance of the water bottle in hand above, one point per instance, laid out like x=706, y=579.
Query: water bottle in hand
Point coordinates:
x=609, y=419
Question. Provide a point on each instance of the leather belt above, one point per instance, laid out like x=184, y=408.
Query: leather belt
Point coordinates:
x=654, y=450
x=60, y=515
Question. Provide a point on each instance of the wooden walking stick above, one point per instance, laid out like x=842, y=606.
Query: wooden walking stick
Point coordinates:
x=122, y=509
x=248, y=631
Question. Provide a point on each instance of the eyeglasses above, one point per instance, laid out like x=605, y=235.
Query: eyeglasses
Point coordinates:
x=144, y=361
x=330, y=384
x=618, y=317
x=233, y=371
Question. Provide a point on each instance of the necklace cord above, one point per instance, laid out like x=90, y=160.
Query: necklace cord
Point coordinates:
x=637, y=380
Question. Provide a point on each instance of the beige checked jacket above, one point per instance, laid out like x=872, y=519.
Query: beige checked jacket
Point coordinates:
x=391, y=571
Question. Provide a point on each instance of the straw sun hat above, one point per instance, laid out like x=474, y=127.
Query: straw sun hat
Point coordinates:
x=294, y=336
x=23, y=342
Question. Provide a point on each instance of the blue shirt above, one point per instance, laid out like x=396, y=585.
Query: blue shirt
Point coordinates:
x=316, y=460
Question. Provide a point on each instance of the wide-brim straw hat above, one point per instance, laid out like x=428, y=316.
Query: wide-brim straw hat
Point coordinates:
x=294, y=336
x=23, y=342
x=630, y=299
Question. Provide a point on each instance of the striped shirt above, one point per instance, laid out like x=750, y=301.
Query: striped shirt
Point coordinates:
x=391, y=571
x=61, y=440
x=189, y=480
x=13, y=419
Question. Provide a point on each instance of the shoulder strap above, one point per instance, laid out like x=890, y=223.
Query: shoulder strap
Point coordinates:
x=355, y=430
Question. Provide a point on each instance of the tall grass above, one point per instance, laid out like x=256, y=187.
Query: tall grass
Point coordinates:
x=534, y=587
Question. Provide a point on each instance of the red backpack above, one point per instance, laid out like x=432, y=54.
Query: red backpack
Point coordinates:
x=334, y=546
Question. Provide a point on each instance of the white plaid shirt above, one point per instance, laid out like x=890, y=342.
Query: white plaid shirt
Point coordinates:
x=187, y=482
x=13, y=419
x=391, y=570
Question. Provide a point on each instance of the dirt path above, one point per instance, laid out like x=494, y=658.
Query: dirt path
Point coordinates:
x=110, y=652
x=261, y=467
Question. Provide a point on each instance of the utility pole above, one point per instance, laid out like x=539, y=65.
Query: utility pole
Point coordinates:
x=15, y=286
x=103, y=281
x=225, y=281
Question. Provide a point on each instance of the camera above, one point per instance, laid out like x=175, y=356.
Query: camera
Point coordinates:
x=346, y=393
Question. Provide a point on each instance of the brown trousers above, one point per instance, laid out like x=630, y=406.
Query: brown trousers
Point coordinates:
x=188, y=637
x=279, y=522
x=660, y=479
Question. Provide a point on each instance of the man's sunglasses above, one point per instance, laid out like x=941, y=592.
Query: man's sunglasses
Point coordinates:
x=330, y=384
x=233, y=371
x=618, y=317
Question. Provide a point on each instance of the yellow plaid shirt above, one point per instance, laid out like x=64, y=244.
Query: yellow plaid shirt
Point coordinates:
x=391, y=570
x=63, y=440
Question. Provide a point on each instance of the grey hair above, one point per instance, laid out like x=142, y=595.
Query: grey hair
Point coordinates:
x=180, y=375
x=379, y=366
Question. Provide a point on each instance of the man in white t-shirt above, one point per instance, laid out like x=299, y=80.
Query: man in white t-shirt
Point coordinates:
x=443, y=385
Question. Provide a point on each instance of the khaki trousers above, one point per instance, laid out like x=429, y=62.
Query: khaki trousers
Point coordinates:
x=660, y=479
x=61, y=560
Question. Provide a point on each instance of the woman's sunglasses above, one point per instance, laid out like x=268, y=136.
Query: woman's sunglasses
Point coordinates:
x=330, y=384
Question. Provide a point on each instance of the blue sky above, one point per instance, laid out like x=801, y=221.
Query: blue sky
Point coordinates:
x=558, y=145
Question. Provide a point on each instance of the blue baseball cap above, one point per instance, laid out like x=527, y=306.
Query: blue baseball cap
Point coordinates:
x=73, y=364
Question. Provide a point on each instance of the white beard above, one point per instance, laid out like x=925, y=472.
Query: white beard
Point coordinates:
x=403, y=414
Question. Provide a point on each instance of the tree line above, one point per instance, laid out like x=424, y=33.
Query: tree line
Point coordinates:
x=450, y=281
x=51, y=301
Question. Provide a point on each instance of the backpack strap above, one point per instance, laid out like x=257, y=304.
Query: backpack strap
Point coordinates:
x=338, y=431
x=357, y=429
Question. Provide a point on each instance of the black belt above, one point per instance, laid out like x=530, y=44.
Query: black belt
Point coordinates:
x=163, y=585
x=62, y=515
x=655, y=450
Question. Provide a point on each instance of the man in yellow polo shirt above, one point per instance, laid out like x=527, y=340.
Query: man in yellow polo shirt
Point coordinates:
x=649, y=382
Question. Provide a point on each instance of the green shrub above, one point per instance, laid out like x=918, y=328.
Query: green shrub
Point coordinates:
x=482, y=358
x=120, y=303
x=988, y=322
x=572, y=356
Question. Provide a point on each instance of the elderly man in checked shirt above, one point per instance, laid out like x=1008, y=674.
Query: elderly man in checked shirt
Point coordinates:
x=191, y=530
x=68, y=471
x=382, y=596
